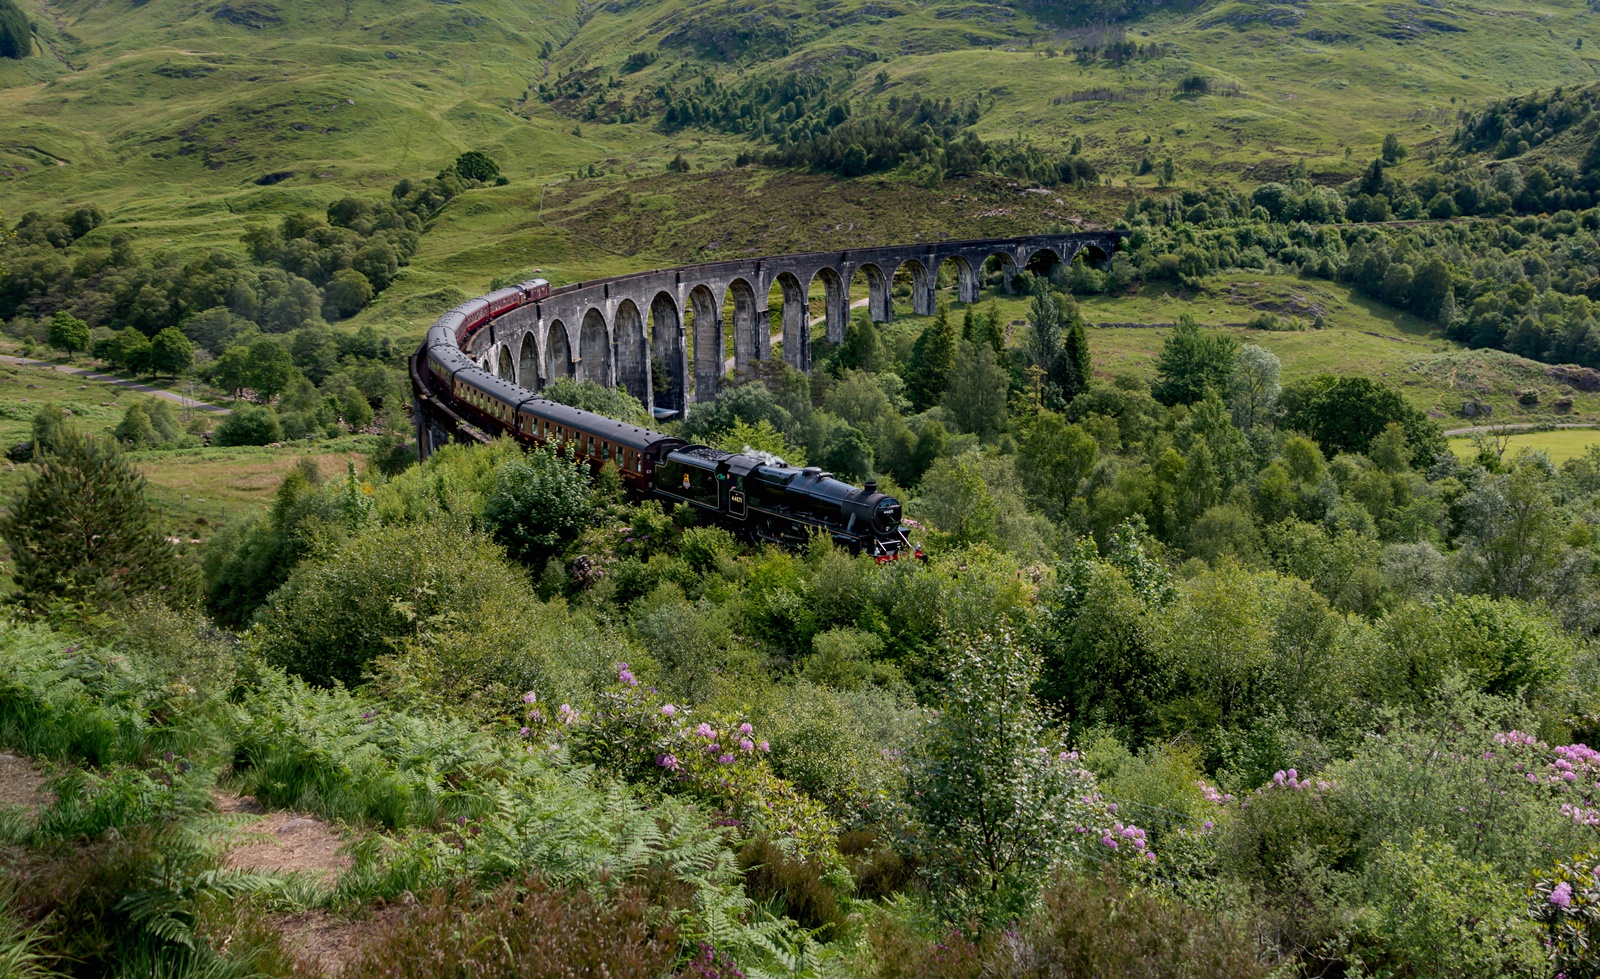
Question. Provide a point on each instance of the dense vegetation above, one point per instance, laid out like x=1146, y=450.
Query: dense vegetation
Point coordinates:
x=1208, y=677
x=16, y=34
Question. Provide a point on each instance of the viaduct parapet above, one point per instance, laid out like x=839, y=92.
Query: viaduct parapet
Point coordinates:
x=623, y=330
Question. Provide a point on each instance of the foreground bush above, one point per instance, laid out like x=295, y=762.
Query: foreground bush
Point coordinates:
x=1083, y=928
x=536, y=933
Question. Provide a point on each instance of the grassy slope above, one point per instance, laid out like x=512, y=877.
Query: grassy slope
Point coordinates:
x=171, y=111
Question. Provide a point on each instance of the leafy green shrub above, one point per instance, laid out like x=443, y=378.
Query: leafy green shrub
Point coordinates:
x=249, y=425
x=382, y=589
x=540, y=502
x=994, y=806
x=1503, y=647
x=533, y=932
x=1434, y=912
x=843, y=749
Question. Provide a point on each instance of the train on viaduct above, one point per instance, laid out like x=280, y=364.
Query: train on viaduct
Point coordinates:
x=620, y=331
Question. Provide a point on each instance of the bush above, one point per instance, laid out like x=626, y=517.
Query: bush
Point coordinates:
x=1084, y=927
x=382, y=589
x=540, y=502
x=249, y=425
x=536, y=932
x=770, y=873
x=81, y=530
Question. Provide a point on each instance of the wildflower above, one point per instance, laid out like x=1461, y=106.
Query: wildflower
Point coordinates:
x=745, y=728
x=569, y=716
x=704, y=731
x=746, y=745
x=669, y=710
x=461, y=820
x=1150, y=857
x=529, y=697
x=1209, y=825
x=523, y=732
x=724, y=759
x=763, y=746
x=1561, y=896
x=1108, y=841
x=625, y=675
x=668, y=761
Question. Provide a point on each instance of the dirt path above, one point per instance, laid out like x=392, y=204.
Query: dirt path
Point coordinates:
x=21, y=783
x=285, y=842
x=90, y=375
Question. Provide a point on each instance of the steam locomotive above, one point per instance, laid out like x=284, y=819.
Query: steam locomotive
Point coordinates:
x=760, y=499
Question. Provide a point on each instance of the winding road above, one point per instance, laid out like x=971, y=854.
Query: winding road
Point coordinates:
x=120, y=382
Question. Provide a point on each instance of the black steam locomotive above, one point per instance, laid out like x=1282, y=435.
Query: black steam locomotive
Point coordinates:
x=763, y=500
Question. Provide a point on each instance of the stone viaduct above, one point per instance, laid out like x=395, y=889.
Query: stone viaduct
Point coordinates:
x=621, y=330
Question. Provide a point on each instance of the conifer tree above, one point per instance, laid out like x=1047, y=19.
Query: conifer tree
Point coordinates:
x=81, y=529
x=932, y=357
x=1079, y=363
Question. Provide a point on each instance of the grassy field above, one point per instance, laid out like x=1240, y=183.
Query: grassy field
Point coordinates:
x=167, y=116
x=1560, y=445
x=198, y=490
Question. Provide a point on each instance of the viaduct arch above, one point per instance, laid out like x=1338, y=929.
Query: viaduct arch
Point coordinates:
x=662, y=334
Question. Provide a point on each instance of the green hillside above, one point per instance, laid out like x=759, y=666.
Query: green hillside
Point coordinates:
x=168, y=115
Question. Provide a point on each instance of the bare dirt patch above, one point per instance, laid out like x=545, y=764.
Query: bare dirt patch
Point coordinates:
x=21, y=783
x=283, y=842
x=326, y=943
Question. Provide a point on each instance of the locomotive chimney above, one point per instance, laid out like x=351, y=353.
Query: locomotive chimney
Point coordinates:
x=871, y=486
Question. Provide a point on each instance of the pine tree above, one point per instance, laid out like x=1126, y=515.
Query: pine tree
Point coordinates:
x=1079, y=364
x=993, y=330
x=932, y=357
x=81, y=529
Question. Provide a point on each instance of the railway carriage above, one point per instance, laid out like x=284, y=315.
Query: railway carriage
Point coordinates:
x=761, y=499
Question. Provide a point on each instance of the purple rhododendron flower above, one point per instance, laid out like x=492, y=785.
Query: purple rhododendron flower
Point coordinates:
x=746, y=745
x=745, y=728
x=1108, y=841
x=1561, y=896
x=529, y=697
x=725, y=759
x=763, y=746
x=524, y=732
x=669, y=710
x=704, y=731
x=569, y=716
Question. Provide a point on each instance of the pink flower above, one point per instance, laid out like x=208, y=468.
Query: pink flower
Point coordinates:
x=569, y=716
x=668, y=761
x=1150, y=857
x=529, y=697
x=763, y=746
x=1561, y=896
x=625, y=675
x=745, y=728
x=746, y=745
x=1108, y=841
x=705, y=731
x=523, y=732
x=669, y=710
x=725, y=759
